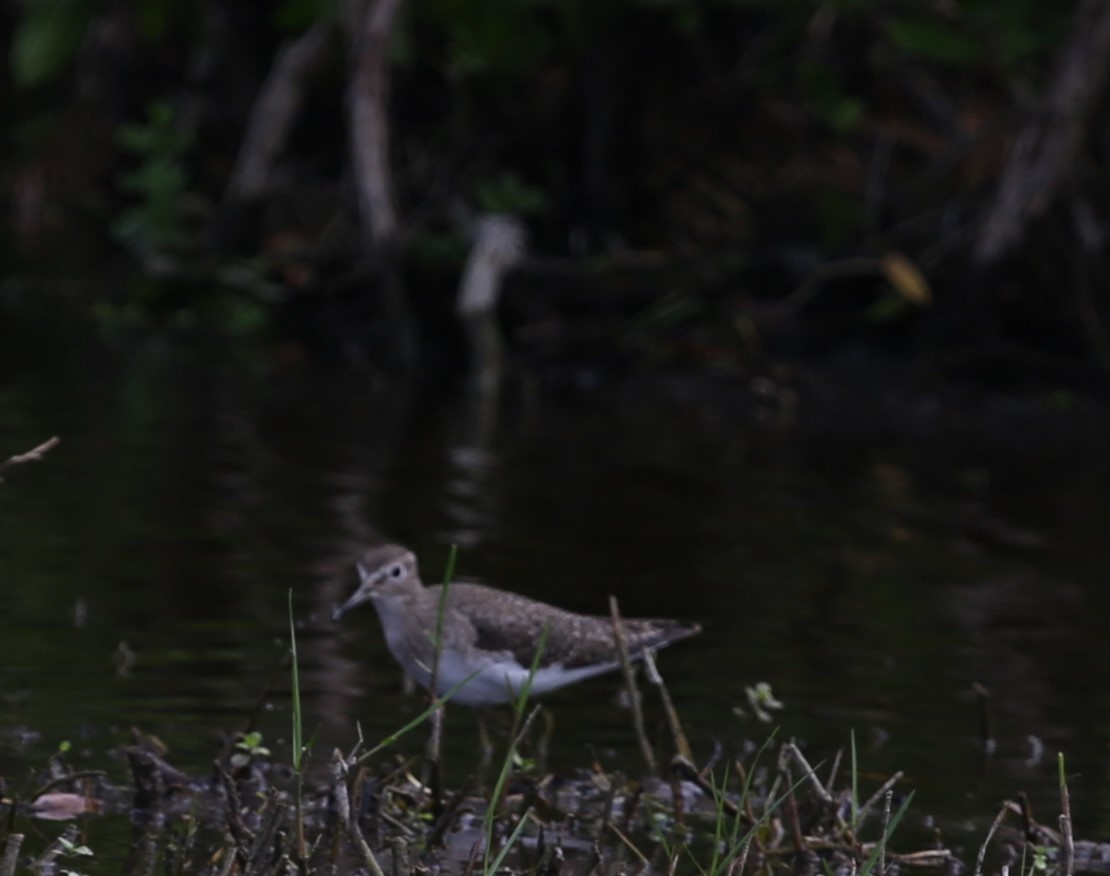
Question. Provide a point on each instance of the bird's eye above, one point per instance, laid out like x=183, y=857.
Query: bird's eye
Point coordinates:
x=396, y=571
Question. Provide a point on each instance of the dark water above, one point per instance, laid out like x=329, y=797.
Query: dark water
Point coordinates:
x=871, y=575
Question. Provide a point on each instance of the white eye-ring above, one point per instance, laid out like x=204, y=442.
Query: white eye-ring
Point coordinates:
x=396, y=571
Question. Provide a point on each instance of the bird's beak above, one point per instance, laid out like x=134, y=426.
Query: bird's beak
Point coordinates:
x=365, y=588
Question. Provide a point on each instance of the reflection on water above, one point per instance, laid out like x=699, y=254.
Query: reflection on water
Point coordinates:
x=870, y=582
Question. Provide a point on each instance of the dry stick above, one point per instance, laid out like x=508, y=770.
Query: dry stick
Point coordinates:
x=343, y=810
x=1042, y=157
x=400, y=849
x=228, y=862
x=1065, y=819
x=800, y=848
x=810, y=774
x=833, y=772
x=672, y=864
x=628, y=844
x=33, y=455
x=630, y=684
x=715, y=757
x=261, y=851
x=874, y=798
x=681, y=744
x=11, y=854
x=526, y=727
x=685, y=770
x=990, y=833
x=740, y=861
x=932, y=859
x=241, y=835
x=66, y=779
x=472, y=860
x=886, y=831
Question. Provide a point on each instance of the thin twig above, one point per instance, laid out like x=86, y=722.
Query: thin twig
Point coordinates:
x=227, y=864
x=264, y=840
x=33, y=455
x=343, y=810
x=810, y=774
x=833, y=771
x=628, y=844
x=240, y=833
x=66, y=779
x=990, y=833
x=527, y=725
x=927, y=859
x=1065, y=820
x=737, y=864
x=630, y=684
x=873, y=800
x=885, y=832
x=791, y=811
x=681, y=743
x=686, y=770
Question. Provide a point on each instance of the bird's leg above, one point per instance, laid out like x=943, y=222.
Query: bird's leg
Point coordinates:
x=544, y=741
x=485, y=742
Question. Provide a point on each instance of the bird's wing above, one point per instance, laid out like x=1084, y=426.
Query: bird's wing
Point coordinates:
x=506, y=623
x=573, y=640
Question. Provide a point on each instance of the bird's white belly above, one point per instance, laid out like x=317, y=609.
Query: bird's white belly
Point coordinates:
x=494, y=682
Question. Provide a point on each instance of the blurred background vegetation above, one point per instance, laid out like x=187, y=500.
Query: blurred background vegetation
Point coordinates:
x=715, y=183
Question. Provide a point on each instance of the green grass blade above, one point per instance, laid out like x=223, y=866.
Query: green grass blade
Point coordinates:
x=519, y=704
x=509, y=843
x=415, y=722
x=872, y=859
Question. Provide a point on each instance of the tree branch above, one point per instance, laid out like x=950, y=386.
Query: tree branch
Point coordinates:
x=1042, y=157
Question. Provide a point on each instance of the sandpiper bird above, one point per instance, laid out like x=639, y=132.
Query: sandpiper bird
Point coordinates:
x=491, y=634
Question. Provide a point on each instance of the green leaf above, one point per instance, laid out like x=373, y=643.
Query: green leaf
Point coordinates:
x=46, y=38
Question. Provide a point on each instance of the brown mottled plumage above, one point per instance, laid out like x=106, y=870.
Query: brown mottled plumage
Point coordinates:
x=491, y=634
